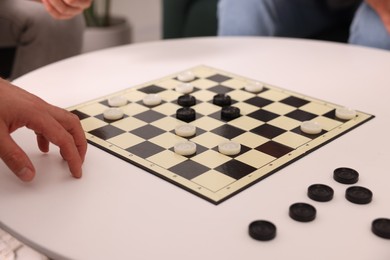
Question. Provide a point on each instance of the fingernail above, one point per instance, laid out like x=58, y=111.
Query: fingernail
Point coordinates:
x=25, y=174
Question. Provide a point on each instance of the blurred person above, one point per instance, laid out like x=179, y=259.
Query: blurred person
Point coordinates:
x=304, y=18
x=42, y=31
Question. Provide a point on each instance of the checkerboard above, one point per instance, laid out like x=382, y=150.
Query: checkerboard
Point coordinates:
x=268, y=130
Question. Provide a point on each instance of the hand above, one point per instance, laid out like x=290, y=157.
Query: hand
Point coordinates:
x=65, y=9
x=382, y=7
x=19, y=108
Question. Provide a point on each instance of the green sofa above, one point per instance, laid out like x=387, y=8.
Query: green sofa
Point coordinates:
x=191, y=18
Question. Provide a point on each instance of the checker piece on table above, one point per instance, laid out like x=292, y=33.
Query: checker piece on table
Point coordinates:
x=271, y=126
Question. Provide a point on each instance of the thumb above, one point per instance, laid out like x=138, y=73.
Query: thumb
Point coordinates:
x=15, y=158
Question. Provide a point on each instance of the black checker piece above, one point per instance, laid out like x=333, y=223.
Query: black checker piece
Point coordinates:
x=145, y=149
x=301, y=115
x=218, y=78
x=346, y=175
x=258, y=101
x=106, y=132
x=228, y=131
x=268, y=131
x=302, y=212
x=189, y=169
x=381, y=227
x=294, y=101
x=147, y=131
x=152, y=89
x=274, y=149
x=263, y=115
x=235, y=169
x=149, y=116
x=79, y=114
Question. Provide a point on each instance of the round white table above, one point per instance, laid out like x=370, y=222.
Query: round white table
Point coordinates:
x=118, y=211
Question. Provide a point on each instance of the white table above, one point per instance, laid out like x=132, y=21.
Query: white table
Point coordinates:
x=117, y=211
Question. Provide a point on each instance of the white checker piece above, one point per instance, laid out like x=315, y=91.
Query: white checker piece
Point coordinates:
x=311, y=127
x=113, y=114
x=229, y=148
x=117, y=101
x=345, y=113
x=185, y=148
x=185, y=130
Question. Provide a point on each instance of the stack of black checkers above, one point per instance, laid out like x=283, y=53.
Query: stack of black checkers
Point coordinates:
x=186, y=113
x=304, y=212
x=228, y=112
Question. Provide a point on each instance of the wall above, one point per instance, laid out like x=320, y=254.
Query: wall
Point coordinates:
x=144, y=17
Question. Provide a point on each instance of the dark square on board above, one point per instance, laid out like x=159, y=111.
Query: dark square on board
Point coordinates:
x=189, y=169
x=151, y=89
x=147, y=131
x=268, y=131
x=263, y=115
x=149, y=116
x=258, y=101
x=274, y=149
x=106, y=132
x=235, y=169
x=218, y=78
x=294, y=101
x=228, y=131
x=301, y=115
x=145, y=149
x=80, y=115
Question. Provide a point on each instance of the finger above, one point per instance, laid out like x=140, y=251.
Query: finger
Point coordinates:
x=71, y=123
x=59, y=10
x=55, y=133
x=43, y=143
x=15, y=158
x=78, y=3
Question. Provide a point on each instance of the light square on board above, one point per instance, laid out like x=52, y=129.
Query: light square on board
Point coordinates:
x=250, y=139
x=245, y=123
x=255, y=158
x=240, y=95
x=279, y=108
x=129, y=123
x=284, y=122
x=211, y=158
x=160, y=159
x=167, y=140
x=327, y=123
x=274, y=95
x=92, y=123
x=125, y=140
x=209, y=139
x=316, y=108
x=93, y=109
x=292, y=139
x=207, y=123
x=213, y=180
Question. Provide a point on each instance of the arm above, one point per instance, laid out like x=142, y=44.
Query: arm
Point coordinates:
x=19, y=108
x=382, y=7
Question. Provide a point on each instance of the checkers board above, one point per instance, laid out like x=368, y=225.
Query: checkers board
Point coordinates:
x=268, y=130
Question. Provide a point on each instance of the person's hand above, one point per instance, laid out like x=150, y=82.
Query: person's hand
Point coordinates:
x=51, y=124
x=65, y=9
x=382, y=7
